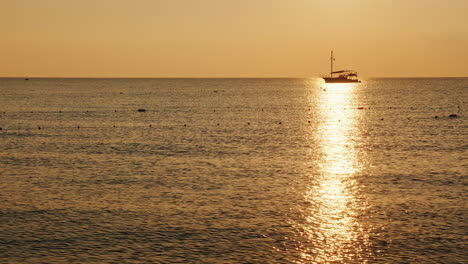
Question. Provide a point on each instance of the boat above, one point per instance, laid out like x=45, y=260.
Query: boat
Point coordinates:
x=344, y=76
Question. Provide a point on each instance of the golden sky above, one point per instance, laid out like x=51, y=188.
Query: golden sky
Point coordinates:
x=232, y=38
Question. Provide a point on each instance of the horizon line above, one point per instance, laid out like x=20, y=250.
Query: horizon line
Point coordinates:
x=284, y=77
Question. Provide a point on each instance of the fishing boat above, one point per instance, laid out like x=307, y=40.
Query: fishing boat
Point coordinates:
x=344, y=76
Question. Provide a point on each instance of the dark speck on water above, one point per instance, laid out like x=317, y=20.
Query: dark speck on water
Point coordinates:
x=332, y=183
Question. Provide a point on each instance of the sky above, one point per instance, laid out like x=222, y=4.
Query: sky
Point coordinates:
x=232, y=38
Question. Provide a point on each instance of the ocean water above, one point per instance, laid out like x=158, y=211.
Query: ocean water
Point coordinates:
x=233, y=171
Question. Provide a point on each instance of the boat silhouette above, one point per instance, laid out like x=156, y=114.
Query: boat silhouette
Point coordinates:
x=344, y=76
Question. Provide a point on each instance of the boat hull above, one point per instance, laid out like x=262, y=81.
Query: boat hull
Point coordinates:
x=340, y=80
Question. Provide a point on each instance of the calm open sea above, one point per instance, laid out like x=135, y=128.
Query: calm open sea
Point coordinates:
x=233, y=171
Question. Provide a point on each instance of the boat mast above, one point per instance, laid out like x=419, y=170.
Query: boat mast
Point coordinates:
x=331, y=64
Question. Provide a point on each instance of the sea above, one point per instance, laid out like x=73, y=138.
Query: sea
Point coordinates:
x=233, y=170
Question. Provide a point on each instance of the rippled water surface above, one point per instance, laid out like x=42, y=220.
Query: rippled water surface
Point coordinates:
x=233, y=171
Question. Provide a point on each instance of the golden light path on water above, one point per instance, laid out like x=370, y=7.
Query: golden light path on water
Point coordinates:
x=331, y=226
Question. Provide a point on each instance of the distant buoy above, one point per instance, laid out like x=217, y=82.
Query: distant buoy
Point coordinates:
x=453, y=116
x=185, y=125
x=38, y=127
x=0, y=128
x=218, y=124
x=248, y=123
x=279, y=123
x=436, y=117
x=26, y=79
x=141, y=110
x=77, y=126
x=150, y=125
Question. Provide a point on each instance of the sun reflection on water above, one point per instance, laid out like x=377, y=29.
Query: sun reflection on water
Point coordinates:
x=331, y=226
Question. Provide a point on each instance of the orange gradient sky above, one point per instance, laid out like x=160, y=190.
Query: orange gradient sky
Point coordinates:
x=232, y=38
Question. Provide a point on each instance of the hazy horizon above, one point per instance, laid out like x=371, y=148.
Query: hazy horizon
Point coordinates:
x=233, y=39
x=230, y=77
